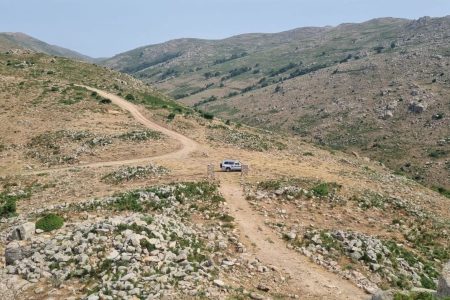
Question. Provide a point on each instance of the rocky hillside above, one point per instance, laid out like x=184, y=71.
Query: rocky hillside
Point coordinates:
x=379, y=88
x=18, y=40
x=95, y=203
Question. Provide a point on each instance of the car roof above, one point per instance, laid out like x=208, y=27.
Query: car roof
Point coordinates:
x=230, y=160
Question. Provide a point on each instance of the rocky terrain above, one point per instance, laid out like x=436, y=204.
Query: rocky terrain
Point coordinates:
x=132, y=216
x=153, y=252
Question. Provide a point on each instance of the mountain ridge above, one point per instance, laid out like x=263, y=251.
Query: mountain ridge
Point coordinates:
x=20, y=40
x=252, y=78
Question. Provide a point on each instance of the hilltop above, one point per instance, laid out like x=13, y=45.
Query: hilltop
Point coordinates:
x=104, y=193
x=377, y=89
x=17, y=40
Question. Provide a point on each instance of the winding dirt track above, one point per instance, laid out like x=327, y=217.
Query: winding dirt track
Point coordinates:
x=186, y=144
x=308, y=280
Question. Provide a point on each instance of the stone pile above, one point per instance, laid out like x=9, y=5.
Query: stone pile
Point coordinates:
x=126, y=256
x=380, y=260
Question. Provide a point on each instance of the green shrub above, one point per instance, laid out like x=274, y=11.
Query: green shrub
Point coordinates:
x=321, y=189
x=438, y=153
x=171, y=116
x=207, y=115
x=129, y=97
x=8, y=203
x=8, y=207
x=50, y=222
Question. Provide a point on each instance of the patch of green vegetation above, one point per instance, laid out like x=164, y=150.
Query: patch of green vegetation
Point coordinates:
x=417, y=296
x=438, y=153
x=130, y=97
x=412, y=259
x=207, y=115
x=321, y=190
x=50, y=222
x=8, y=202
x=128, y=201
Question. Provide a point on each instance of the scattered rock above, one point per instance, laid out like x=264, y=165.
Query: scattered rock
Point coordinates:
x=262, y=287
x=256, y=296
x=416, y=107
x=219, y=283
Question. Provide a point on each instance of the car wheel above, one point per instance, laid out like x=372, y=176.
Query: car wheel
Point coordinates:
x=228, y=169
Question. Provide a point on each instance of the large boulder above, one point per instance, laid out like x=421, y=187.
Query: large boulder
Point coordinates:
x=24, y=231
x=416, y=107
x=443, y=289
x=383, y=295
x=13, y=252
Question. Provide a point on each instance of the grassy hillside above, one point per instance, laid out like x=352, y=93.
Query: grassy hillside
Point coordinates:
x=354, y=87
x=18, y=40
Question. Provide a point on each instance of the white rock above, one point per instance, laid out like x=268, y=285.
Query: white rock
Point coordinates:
x=219, y=283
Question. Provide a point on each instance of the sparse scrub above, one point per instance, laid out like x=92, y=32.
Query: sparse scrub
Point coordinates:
x=134, y=173
x=141, y=135
x=245, y=139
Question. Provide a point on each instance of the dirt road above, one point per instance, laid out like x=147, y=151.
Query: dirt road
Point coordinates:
x=187, y=145
x=311, y=281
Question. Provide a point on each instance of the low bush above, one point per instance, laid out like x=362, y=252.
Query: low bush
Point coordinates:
x=50, y=222
x=321, y=189
x=8, y=203
x=130, y=97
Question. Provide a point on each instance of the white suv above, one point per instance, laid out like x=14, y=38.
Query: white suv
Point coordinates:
x=231, y=165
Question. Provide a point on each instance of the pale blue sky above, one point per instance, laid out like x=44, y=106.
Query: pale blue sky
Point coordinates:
x=107, y=27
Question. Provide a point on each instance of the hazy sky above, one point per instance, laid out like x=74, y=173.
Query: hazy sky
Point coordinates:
x=107, y=27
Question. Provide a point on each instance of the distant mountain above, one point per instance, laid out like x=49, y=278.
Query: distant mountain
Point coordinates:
x=379, y=88
x=18, y=40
